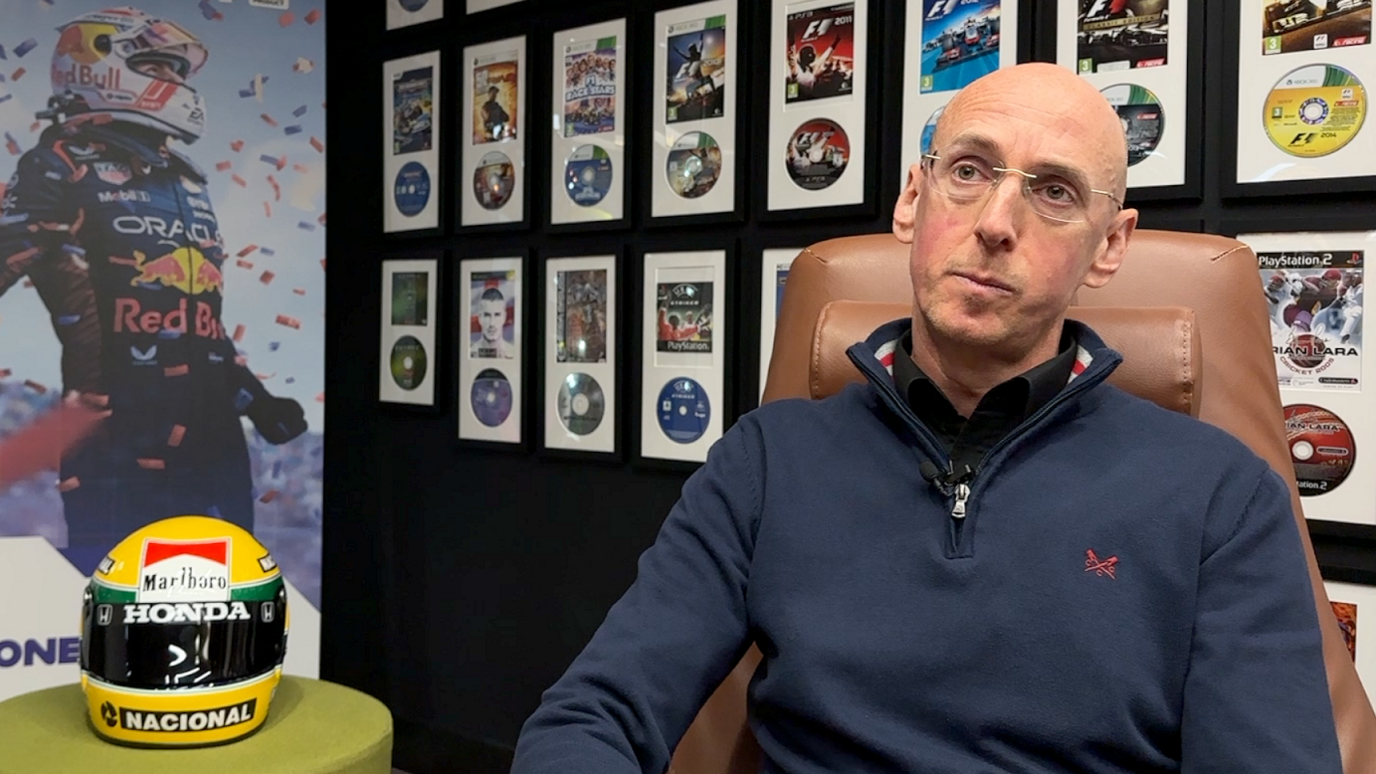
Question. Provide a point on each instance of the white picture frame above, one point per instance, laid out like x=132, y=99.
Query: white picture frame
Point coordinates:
x=491, y=362
x=405, y=13
x=678, y=378
x=412, y=179
x=1326, y=395
x=588, y=158
x=1144, y=79
x=581, y=358
x=926, y=88
x=493, y=151
x=775, y=265
x=478, y=6
x=693, y=159
x=817, y=143
x=408, y=359
x=1362, y=630
x=1285, y=110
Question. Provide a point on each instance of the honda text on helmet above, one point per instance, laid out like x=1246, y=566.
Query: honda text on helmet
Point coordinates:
x=183, y=634
x=125, y=65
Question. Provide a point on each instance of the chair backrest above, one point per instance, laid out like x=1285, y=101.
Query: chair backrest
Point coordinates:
x=1213, y=276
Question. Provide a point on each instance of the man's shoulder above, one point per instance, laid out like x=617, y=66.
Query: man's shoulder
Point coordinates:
x=1154, y=427
x=837, y=413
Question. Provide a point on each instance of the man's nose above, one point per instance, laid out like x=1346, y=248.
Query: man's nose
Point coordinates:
x=1003, y=210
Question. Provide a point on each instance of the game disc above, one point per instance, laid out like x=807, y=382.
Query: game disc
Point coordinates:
x=413, y=5
x=694, y=165
x=494, y=180
x=412, y=189
x=588, y=175
x=581, y=404
x=684, y=410
x=1143, y=118
x=491, y=397
x=1321, y=447
x=929, y=130
x=817, y=154
x=1315, y=110
x=408, y=362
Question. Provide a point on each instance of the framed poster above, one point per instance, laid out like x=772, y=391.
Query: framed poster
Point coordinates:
x=588, y=143
x=684, y=337
x=580, y=360
x=1135, y=52
x=693, y=161
x=817, y=104
x=411, y=131
x=1313, y=283
x=493, y=159
x=774, y=268
x=491, y=349
x=1304, y=75
x=1355, y=606
x=947, y=46
x=476, y=6
x=404, y=13
x=408, y=362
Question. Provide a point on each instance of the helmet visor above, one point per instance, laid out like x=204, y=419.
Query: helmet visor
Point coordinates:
x=179, y=644
x=168, y=41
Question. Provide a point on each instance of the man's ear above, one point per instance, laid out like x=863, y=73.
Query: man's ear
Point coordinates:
x=904, y=213
x=1115, y=249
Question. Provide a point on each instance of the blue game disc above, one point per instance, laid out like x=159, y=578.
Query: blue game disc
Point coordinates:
x=588, y=175
x=684, y=410
x=491, y=397
x=929, y=130
x=413, y=5
x=412, y=189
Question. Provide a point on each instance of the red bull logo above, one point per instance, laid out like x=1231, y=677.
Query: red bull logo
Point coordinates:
x=103, y=78
x=186, y=269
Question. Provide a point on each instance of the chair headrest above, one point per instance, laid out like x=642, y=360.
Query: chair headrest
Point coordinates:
x=1162, y=358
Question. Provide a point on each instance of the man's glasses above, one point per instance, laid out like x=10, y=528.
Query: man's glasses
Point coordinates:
x=969, y=177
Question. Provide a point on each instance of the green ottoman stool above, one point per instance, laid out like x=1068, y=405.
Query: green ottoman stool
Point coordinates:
x=313, y=727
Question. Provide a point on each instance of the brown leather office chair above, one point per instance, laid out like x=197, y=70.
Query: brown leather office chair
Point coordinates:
x=1210, y=287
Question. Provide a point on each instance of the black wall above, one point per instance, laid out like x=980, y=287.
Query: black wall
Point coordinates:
x=458, y=584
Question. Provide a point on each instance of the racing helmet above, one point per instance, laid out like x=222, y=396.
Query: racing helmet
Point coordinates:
x=122, y=64
x=183, y=632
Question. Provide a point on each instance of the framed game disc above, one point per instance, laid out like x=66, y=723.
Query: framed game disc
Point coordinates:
x=581, y=404
x=1322, y=448
x=684, y=410
x=494, y=180
x=694, y=165
x=1315, y=110
x=408, y=362
x=1142, y=116
x=588, y=175
x=491, y=397
x=817, y=154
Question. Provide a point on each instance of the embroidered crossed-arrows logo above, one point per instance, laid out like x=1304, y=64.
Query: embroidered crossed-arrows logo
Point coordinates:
x=1099, y=566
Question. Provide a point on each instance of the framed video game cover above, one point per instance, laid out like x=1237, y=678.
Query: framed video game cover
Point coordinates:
x=491, y=349
x=1313, y=286
x=493, y=158
x=693, y=158
x=580, y=354
x=684, y=338
x=589, y=138
x=411, y=131
x=404, y=13
x=1303, y=76
x=1136, y=53
x=408, y=366
x=948, y=45
x=775, y=264
x=1354, y=604
x=477, y=6
x=818, y=129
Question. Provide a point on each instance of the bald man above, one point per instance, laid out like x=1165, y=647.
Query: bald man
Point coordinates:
x=984, y=558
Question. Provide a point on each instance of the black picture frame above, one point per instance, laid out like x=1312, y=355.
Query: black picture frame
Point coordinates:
x=441, y=372
x=412, y=41
x=459, y=346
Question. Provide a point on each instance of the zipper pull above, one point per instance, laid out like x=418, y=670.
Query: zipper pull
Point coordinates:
x=962, y=494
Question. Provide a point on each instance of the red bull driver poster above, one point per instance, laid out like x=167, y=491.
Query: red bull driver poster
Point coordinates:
x=162, y=277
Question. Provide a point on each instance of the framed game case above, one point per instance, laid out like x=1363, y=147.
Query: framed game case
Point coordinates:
x=491, y=349
x=588, y=144
x=1138, y=54
x=775, y=263
x=693, y=161
x=684, y=337
x=580, y=361
x=408, y=366
x=819, y=126
x=412, y=133
x=404, y=13
x=1304, y=74
x=947, y=46
x=493, y=175
x=1313, y=283
x=1354, y=604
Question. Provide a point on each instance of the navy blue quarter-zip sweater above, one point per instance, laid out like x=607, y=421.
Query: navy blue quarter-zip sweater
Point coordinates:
x=1124, y=592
